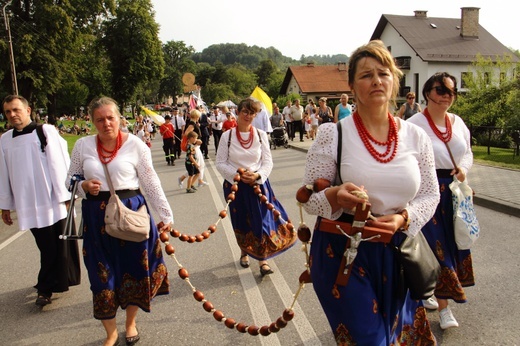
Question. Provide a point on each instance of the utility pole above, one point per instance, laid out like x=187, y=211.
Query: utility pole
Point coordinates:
x=11, y=54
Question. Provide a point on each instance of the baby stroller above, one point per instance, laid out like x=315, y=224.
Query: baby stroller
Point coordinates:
x=279, y=137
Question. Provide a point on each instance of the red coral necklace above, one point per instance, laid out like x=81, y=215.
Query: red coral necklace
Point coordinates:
x=106, y=156
x=391, y=142
x=247, y=143
x=443, y=136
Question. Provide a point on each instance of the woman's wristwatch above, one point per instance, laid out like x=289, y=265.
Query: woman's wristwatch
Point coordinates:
x=404, y=214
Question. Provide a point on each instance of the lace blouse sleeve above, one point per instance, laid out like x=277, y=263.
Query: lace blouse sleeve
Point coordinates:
x=422, y=207
x=321, y=163
x=151, y=185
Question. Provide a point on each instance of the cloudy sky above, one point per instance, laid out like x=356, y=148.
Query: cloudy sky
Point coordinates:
x=326, y=27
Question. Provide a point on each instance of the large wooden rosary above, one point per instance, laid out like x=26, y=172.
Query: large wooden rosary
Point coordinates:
x=304, y=234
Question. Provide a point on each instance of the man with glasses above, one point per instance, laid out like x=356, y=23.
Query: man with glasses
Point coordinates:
x=410, y=107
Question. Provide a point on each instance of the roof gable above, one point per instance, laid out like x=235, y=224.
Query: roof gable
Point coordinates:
x=318, y=79
x=439, y=39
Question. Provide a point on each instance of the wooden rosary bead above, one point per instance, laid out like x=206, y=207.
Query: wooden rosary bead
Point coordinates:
x=212, y=228
x=257, y=190
x=290, y=226
x=305, y=277
x=234, y=187
x=207, y=306
x=280, y=323
x=191, y=239
x=303, y=194
x=205, y=234
x=252, y=330
x=230, y=323
x=175, y=233
x=170, y=250
x=230, y=197
x=320, y=184
x=218, y=315
x=199, y=238
x=270, y=206
x=273, y=328
x=304, y=233
x=222, y=214
x=241, y=170
x=276, y=214
x=184, y=237
x=236, y=178
x=183, y=273
x=164, y=237
x=242, y=328
x=198, y=295
x=288, y=315
x=263, y=199
x=264, y=330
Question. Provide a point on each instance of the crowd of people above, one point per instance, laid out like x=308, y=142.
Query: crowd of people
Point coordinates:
x=397, y=165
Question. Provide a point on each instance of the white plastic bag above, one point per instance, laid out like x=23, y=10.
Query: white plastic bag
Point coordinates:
x=466, y=226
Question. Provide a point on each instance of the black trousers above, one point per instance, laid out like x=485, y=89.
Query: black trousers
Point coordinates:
x=298, y=126
x=290, y=129
x=204, y=145
x=59, y=260
x=177, y=143
x=169, y=149
x=216, y=137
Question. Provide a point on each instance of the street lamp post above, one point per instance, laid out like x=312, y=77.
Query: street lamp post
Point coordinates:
x=11, y=54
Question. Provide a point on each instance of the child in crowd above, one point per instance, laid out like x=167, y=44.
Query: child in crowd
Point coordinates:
x=191, y=163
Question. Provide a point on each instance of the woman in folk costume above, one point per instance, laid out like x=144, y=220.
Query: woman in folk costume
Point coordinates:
x=122, y=273
x=449, y=129
x=259, y=234
x=392, y=162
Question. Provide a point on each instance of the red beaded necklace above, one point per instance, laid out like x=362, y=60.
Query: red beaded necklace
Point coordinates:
x=246, y=144
x=443, y=136
x=366, y=137
x=106, y=156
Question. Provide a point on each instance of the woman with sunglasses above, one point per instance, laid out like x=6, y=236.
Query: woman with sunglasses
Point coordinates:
x=259, y=233
x=410, y=107
x=446, y=130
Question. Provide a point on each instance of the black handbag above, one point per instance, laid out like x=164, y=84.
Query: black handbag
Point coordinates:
x=419, y=266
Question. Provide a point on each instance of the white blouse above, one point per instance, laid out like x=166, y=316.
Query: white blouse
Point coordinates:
x=408, y=181
x=131, y=169
x=459, y=144
x=256, y=159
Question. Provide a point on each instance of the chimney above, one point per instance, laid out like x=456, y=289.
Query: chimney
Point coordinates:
x=342, y=66
x=420, y=14
x=469, y=22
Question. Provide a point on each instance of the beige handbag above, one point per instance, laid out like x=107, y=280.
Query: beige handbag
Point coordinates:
x=122, y=222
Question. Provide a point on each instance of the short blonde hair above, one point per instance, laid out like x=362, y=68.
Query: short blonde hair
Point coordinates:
x=194, y=114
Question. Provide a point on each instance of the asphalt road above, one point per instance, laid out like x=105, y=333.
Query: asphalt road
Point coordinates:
x=489, y=318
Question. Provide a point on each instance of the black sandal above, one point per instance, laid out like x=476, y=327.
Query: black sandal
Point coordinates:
x=132, y=340
x=43, y=300
x=265, y=269
x=244, y=261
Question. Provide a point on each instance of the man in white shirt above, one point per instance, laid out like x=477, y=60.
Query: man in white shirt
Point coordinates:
x=216, y=119
x=297, y=117
x=34, y=161
x=288, y=119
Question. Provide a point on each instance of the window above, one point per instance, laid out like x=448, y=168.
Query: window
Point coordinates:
x=465, y=78
x=403, y=62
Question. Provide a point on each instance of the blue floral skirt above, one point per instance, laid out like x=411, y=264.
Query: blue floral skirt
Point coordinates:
x=257, y=232
x=456, y=265
x=372, y=308
x=121, y=273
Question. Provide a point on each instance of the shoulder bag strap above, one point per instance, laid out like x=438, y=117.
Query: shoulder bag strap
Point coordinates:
x=109, y=181
x=41, y=137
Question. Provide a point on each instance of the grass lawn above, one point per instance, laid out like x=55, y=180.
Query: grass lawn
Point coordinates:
x=497, y=157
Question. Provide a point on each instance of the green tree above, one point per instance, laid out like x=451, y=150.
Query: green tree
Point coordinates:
x=133, y=46
x=177, y=62
x=264, y=71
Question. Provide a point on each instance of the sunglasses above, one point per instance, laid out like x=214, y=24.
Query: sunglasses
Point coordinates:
x=442, y=90
x=410, y=98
